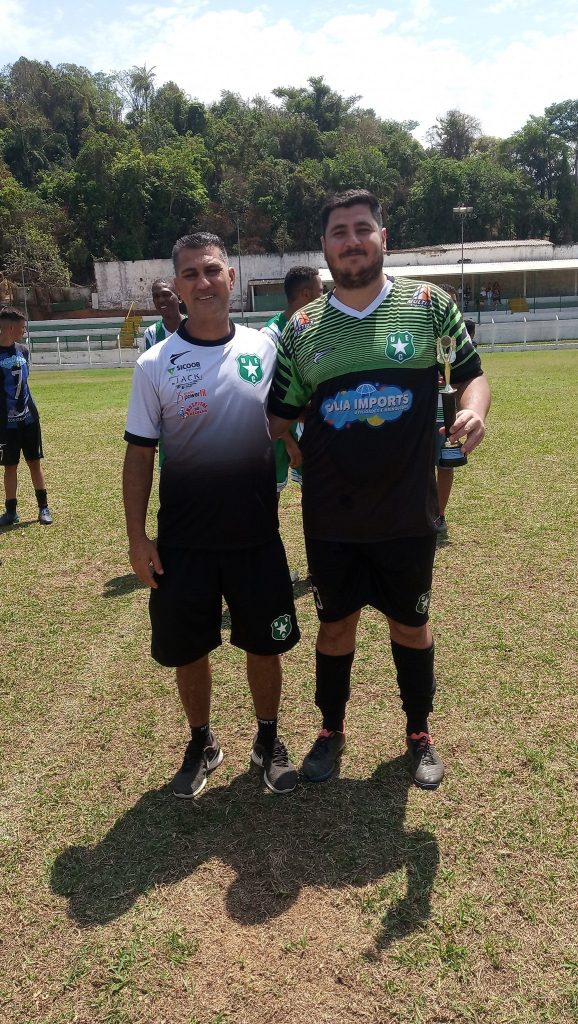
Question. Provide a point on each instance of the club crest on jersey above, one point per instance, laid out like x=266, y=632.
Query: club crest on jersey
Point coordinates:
x=250, y=369
x=400, y=346
x=421, y=296
x=281, y=627
x=300, y=322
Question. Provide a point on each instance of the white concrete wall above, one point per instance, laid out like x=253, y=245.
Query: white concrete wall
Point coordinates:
x=119, y=284
x=80, y=359
x=521, y=330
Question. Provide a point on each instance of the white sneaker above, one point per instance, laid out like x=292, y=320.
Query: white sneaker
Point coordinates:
x=294, y=576
x=45, y=516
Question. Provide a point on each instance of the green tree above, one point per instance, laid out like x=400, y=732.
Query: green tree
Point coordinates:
x=454, y=134
x=319, y=103
x=177, y=192
x=36, y=254
x=138, y=85
x=563, y=119
x=169, y=103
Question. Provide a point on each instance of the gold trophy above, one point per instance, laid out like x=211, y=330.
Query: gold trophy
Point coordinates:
x=451, y=454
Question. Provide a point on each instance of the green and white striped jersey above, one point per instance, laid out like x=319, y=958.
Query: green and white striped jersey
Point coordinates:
x=372, y=380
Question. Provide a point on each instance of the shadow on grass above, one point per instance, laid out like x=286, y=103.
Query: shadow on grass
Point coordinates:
x=22, y=525
x=347, y=832
x=120, y=585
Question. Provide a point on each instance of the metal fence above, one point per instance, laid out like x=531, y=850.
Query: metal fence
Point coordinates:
x=86, y=347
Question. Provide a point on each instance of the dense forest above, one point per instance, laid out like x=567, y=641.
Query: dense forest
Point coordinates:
x=113, y=167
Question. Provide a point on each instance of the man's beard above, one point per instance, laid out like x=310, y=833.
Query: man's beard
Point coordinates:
x=351, y=279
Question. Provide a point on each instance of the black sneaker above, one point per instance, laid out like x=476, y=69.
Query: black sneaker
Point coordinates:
x=278, y=772
x=426, y=765
x=192, y=778
x=9, y=519
x=321, y=760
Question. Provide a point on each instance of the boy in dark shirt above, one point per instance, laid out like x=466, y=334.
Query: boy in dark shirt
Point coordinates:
x=19, y=419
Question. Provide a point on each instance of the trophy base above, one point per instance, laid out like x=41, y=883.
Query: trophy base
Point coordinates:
x=452, y=456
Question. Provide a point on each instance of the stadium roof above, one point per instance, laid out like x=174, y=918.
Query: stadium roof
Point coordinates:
x=470, y=269
x=493, y=244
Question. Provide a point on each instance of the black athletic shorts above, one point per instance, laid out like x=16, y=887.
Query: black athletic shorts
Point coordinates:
x=394, y=576
x=25, y=438
x=186, y=610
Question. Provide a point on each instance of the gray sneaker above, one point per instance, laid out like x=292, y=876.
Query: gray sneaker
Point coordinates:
x=197, y=765
x=45, y=516
x=321, y=761
x=278, y=772
x=427, y=768
x=9, y=519
x=442, y=530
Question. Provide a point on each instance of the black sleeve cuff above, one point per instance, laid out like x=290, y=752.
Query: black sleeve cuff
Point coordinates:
x=469, y=370
x=142, y=442
x=281, y=409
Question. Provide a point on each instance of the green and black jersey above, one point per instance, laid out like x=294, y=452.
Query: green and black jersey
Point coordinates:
x=372, y=380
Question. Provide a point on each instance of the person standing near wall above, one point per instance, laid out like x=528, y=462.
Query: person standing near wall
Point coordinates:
x=19, y=420
x=364, y=358
x=166, y=302
x=205, y=388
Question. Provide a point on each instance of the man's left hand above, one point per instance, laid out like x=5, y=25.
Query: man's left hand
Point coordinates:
x=471, y=424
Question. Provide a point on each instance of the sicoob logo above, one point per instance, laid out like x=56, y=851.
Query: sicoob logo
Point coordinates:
x=182, y=366
x=370, y=404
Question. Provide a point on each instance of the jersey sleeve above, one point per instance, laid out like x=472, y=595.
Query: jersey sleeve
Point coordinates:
x=270, y=332
x=150, y=336
x=289, y=393
x=143, y=422
x=449, y=321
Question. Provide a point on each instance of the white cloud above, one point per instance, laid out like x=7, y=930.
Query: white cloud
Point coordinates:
x=401, y=74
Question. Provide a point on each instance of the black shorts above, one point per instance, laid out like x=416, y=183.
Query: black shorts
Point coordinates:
x=25, y=438
x=186, y=610
x=394, y=576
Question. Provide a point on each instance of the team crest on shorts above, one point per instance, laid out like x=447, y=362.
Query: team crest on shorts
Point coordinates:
x=400, y=346
x=281, y=627
x=250, y=369
x=423, y=602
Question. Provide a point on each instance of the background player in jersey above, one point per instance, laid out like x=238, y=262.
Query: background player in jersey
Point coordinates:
x=205, y=388
x=364, y=357
x=19, y=419
x=445, y=475
x=166, y=302
x=302, y=285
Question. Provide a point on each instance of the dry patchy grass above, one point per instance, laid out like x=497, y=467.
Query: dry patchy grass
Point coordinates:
x=360, y=900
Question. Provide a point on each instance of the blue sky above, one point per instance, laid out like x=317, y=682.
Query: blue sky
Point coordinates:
x=500, y=61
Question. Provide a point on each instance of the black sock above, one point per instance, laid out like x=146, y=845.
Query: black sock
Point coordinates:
x=332, y=687
x=266, y=733
x=417, y=684
x=41, y=498
x=200, y=735
x=11, y=505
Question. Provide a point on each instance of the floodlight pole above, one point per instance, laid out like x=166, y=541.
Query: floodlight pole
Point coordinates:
x=462, y=211
x=240, y=271
x=20, y=240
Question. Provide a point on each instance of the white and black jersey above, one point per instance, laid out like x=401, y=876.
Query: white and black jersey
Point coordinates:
x=208, y=399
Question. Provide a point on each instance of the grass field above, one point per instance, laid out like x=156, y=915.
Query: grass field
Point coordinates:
x=362, y=900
